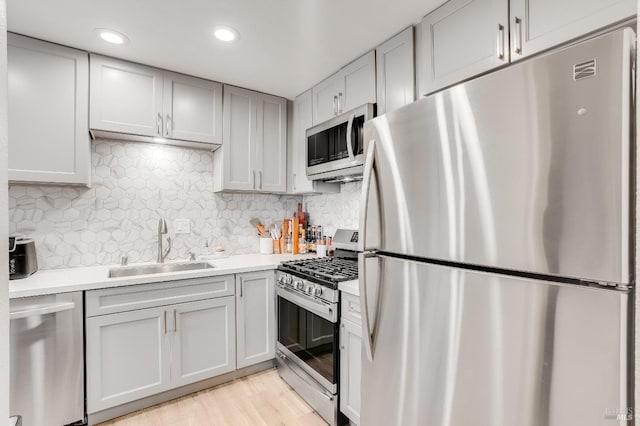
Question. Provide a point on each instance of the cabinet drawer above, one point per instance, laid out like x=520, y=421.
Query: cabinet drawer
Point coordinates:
x=350, y=307
x=121, y=299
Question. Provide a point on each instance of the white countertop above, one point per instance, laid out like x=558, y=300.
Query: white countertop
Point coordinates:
x=351, y=287
x=90, y=278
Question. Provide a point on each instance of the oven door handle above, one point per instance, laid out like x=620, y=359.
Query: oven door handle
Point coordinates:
x=312, y=385
x=318, y=308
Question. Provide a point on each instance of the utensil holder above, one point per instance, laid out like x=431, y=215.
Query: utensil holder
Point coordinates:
x=266, y=245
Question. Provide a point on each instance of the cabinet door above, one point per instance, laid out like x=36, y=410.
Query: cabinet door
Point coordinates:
x=127, y=357
x=192, y=109
x=48, y=96
x=461, y=39
x=272, y=144
x=204, y=339
x=255, y=300
x=125, y=97
x=395, y=82
x=359, y=83
x=325, y=98
x=239, y=139
x=350, y=369
x=539, y=25
x=302, y=120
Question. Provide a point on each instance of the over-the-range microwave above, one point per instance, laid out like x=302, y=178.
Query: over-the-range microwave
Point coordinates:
x=335, y=148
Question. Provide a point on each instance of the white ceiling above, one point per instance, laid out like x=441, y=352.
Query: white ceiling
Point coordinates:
x=285, y=46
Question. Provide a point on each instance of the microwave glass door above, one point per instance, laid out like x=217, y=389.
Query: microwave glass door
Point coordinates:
x=331, y=144
x=311, y=338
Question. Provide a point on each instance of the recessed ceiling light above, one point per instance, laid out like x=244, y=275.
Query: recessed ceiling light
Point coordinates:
x=225, y=33
x=111, y=36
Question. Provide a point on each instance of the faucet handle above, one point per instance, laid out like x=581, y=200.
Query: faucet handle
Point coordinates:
x=124, y=260
x=192, y=256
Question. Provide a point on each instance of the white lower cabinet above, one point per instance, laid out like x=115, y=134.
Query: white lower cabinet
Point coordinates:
x=255, y=303
x=203, y=340
x=127, y=357
x=135, y=353
x=350, y=358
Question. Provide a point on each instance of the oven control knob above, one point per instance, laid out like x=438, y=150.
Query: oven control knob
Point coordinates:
x=288, y=279
x=281, y=279
x=308, y=289
x=299, y=284
x=317, y=291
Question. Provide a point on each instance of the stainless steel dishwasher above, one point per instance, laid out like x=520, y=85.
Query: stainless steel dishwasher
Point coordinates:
x=46, y=356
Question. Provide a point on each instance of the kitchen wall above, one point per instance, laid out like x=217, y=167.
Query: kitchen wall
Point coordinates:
x=134, y=184
x=334, y=211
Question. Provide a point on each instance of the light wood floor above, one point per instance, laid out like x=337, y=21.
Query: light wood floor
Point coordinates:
x=260, y=399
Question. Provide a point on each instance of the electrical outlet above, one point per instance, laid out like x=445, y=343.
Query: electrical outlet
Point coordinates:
x=182, y=226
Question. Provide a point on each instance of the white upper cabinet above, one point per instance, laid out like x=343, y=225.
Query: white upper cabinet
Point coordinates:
x=302, y=117
x=125, y=97
x=395, y=72
x=48, y=98
x=352, y=86
x=359, y=82
x=137, y=100
x=192, y=108
x=271, y=161
x=538, y=25
x=253, y=154
x=463, y=38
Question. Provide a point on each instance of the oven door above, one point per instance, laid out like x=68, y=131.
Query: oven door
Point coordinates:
x=308, y=335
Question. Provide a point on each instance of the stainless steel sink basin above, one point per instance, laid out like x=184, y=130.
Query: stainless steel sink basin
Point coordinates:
x=158, y=268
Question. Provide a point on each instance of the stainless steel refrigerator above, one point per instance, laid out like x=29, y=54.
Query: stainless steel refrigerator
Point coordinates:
x=496, y=269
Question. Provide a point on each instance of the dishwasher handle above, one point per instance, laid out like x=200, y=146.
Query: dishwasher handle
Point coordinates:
x=49, y=308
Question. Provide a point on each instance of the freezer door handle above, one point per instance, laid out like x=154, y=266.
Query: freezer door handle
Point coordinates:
x=366, y=188
x=51, y=308
x=367, y=331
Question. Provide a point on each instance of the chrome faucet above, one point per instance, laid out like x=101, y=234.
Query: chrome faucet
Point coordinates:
x=162, y=229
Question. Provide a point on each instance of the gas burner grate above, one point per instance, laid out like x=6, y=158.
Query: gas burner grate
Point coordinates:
x=326, y=268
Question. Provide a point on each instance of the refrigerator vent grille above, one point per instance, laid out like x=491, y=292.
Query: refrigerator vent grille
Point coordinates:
x=584, y=70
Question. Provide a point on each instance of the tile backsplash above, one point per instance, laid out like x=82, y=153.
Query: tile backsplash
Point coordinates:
x=334, y=211
x=133, y=185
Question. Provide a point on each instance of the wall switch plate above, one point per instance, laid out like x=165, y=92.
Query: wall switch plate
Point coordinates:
x=182, y=226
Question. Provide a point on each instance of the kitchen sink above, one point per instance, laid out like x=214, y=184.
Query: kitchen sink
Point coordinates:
x=158, y=268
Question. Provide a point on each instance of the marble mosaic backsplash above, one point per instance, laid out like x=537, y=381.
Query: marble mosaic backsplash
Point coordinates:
x=133, y=185
x=341, y=210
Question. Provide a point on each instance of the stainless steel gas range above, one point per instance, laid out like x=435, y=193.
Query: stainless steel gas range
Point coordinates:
x=307, y=350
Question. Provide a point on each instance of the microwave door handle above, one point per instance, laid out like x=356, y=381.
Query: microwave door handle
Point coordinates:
x=352, y=157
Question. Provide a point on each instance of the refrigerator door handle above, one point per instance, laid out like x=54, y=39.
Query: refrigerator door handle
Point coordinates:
x=366, y=188
x=366, y=325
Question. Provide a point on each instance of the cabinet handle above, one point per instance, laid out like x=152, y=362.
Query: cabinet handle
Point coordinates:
x=254, y=178
x=159, y=125
x=339, y=102
x=165, y=322
x=500, y=43
x=335, y=105
x=294, y=181
x=175, y=321
x=260, y=181
x=167, y=125
x=241, y=286
x=517, y=32
x=340, y=337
